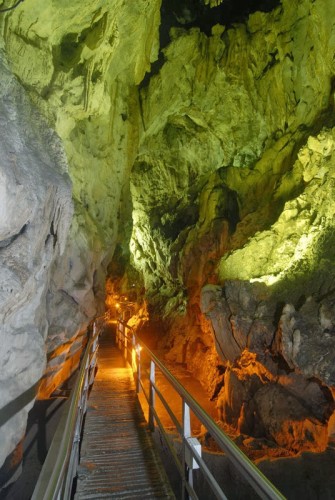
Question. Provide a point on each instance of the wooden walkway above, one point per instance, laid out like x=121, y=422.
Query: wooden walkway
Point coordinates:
x=118, y=459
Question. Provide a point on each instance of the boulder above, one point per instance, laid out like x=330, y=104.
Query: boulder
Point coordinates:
x=306, y=339
x=288, y=422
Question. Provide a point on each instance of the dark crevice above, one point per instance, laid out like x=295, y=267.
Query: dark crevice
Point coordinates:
x=219, y=385
x=300, y=302
x=9, y=241
x=182, y=220
x=278, y=313
x=70, y=296
x=273, y=61
x=53, y=233
x=282, y=364
x=154, y=70
x=194, y=14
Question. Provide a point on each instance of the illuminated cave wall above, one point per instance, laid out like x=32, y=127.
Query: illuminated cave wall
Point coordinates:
x=78, y=64
x=35, y=216
x=212, y=177
x=233, y=212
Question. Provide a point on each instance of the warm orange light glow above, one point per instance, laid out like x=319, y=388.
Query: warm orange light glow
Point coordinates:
x=135, y=353
x=117, y=305
x=133, y=360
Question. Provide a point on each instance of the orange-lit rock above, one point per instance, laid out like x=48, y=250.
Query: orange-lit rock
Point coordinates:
x=62, y=363
x=258, y=399
x=288, y=422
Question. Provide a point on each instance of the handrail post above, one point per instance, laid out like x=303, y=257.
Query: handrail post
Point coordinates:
x=125, y=343
x=134, y=355
x=138, y=357
x=187, y=473
x=152, y=396
x=121, y=327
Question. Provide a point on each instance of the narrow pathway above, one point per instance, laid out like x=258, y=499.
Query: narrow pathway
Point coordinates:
x=118, y=459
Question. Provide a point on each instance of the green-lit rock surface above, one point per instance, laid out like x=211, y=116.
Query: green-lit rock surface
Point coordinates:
x=223, y=121
x=297, y=248
x=232, y=190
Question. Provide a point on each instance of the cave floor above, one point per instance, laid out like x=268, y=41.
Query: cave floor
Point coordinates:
x=118, y=458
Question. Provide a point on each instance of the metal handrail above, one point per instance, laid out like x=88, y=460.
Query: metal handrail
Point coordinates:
x=60, y=466
x=126, y=336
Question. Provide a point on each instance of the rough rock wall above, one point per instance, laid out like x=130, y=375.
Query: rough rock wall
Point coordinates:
x=79, y=62
x=35, y=215
x=233, y=185
x=223, y=121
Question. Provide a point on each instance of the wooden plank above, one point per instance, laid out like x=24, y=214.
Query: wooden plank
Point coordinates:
x=118, y=458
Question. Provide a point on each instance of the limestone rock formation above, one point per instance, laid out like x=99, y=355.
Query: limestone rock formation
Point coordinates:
x=260, y=398
x=306, y=339
x=242, y=315
x=35, y=216
x=71, y=62
x=230, y=123
x=232, y=191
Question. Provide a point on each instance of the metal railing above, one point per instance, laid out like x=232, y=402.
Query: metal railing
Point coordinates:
x=55, y=481
x=133, y=349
